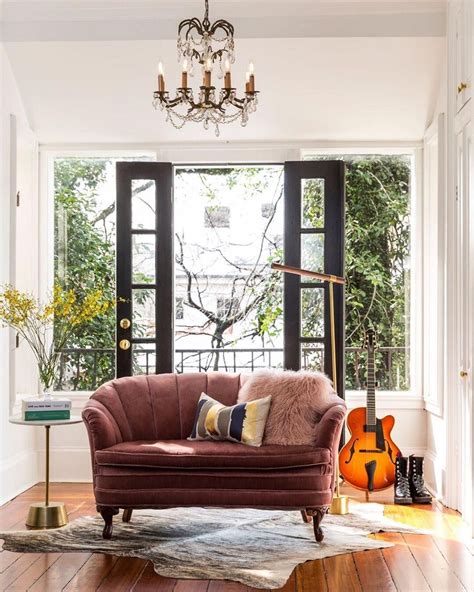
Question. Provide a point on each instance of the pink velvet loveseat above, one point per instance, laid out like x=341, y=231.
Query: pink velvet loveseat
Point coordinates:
x=141, y=458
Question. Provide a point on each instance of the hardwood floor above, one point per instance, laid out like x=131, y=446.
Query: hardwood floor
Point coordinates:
x=441, y=563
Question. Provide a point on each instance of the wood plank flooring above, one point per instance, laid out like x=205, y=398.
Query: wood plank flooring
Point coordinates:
x=417, y=563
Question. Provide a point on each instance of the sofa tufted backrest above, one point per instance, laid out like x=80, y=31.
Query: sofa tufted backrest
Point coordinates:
x=163, y=406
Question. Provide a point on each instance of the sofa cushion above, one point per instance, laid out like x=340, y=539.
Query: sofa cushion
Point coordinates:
x=244, y=423
x=299, y=399
x=184, y=454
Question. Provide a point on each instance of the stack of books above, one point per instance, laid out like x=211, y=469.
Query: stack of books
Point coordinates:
x=34, y=409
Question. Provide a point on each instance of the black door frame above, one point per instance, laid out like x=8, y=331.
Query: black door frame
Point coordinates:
x=333, y=173
x=162, y=174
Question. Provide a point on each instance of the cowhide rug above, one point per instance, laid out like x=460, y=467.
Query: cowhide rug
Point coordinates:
x=256, y=547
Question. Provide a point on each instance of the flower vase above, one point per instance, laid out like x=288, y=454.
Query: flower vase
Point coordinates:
x=46, y=394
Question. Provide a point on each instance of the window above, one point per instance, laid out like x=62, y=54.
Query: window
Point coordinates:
x=378, y=265
x=226, y=306
x=84, y=258
x=179, y=309
x=229, y=269
x=216, y=217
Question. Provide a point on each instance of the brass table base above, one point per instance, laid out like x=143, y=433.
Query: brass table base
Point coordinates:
x=52, y=515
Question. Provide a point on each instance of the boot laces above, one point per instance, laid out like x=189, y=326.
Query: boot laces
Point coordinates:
x=418, y=482
x=403, y=484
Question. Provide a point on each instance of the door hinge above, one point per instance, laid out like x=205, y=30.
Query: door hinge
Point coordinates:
x=17, y=340
x=457, y=193
x=17, y=199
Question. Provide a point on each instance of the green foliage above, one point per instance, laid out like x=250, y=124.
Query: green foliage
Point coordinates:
x=84, y=259
x=377, y=258
x=377, y=231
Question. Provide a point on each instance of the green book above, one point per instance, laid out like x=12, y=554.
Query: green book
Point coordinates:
x=47, y=415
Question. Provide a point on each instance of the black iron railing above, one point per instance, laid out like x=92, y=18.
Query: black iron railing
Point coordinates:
x=87, y=368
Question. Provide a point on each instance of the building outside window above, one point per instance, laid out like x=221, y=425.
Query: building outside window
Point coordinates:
x=216, y=217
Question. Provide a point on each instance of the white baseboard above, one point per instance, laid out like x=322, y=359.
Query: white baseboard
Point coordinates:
x=17, y=474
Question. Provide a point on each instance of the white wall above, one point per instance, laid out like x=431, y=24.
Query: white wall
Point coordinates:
x=18, y=458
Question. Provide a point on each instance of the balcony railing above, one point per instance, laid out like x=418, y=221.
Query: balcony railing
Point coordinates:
x=87, y=368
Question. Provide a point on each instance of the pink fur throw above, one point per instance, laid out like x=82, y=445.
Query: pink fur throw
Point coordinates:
x=299, y=399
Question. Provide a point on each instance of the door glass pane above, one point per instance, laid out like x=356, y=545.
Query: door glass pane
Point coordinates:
x=143, y=204
x=312, y=312
x=143, y=258
x=143, y=359
x=312, y=203
x=143, y=313
x=312, y=253
x=312, y=356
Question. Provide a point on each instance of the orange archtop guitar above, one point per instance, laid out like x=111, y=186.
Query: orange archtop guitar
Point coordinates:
x=367, y=461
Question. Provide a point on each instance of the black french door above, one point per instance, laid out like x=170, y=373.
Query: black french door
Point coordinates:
x=145, y=280
x=313, y=239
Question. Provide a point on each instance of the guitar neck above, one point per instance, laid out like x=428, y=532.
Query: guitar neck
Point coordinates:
x=371, y=415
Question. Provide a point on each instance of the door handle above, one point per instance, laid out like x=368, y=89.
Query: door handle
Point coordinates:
x=125, y=323
x=462, y=86
x=463, y=373
x=124, y=344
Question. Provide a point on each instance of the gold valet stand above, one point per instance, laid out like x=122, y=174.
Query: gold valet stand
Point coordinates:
x=340, y=503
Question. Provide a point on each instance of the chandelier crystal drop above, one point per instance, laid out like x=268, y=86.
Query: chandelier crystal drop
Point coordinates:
x=207, y=49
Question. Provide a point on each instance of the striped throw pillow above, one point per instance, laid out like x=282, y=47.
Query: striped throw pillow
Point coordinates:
x=244, y=423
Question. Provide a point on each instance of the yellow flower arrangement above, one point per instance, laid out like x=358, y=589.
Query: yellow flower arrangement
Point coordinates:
x=34, y=322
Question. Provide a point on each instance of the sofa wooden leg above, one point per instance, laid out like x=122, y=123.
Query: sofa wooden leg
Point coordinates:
x=306, y=517
x=127, y=514
x=318, y=514
x=107, y=513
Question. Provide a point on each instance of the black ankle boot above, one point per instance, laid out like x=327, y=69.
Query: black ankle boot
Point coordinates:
x=402, y=486
x=418, y=491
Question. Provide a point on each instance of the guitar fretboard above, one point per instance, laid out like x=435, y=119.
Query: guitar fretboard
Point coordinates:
x=371, y=417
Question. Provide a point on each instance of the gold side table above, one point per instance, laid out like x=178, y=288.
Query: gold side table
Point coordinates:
x=46, y=514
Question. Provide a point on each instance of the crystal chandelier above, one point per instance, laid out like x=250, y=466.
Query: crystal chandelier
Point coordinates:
x=208, y=48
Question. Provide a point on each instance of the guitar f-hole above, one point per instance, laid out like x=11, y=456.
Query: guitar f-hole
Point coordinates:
x=352, y=451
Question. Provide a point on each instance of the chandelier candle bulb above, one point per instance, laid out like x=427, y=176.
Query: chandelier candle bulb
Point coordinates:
x=161, y=78
x=184, y=74
x=207, y=73
x=227, y=78
x=251, y=79
x=247, y=82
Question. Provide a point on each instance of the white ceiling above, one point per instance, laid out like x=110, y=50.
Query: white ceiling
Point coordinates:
x=320, y=88
x=85, y=20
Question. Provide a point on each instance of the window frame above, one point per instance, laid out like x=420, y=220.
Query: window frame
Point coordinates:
x=187, y=154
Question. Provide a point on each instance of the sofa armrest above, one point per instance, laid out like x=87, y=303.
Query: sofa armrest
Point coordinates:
x=328, y=429
x=102, y=428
